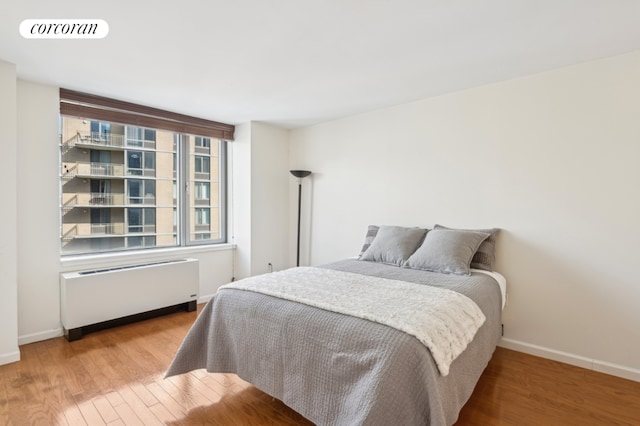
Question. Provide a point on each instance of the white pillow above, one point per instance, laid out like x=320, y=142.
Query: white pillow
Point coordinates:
x=393, y=245
x=447, y=251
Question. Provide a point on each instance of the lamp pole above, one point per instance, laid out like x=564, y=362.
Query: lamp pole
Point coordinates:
x=300, y=174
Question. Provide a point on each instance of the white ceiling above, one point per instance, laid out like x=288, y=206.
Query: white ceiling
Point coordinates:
x=299, y=62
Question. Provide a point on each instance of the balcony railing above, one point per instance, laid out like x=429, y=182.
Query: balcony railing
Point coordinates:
x=93, y=199
x=89, y=169
x=146, y=200
x=141, y=172
x=83, y=199
x=105, y=199
x=107, y=140
x=147, y=229
x=106, y=169
x=116, y=229
x=107, y=229
x=140, y=143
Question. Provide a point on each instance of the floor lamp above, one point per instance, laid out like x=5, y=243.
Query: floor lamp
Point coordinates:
x=300, y=174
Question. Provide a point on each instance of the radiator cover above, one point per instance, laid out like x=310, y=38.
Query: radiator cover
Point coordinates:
x=101, y=295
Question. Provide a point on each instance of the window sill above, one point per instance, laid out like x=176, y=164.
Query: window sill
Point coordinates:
x=69, y=263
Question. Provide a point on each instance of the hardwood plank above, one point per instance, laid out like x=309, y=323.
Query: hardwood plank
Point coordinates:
x=73, y=415
x=116, y=377
x=143, y=393
x=138, y=406
x=190, y=384
x=128, y=416
x=105, y=409
x=4, y=399
x=161, y=412
x=90, y=413
x=521, y=389
x=176, y=409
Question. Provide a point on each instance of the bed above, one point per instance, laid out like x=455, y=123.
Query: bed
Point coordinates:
x=339, y=363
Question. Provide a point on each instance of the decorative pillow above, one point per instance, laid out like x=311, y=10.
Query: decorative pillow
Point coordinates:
x=447, y=250
x=485, y=257
x=372, y=231
x=393, y=245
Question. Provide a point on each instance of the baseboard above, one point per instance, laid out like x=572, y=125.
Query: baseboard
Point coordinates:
x=572, y=359
x=205, y=299
x=10, y=357
x=37, y=337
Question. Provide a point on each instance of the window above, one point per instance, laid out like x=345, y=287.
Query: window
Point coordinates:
x=141, y=220
x=100, y=131
x=203, y=142
x=143, y=186
x=140, y=137
x=202, y=216
x=141, y=191
x=141, y=163
x=202, y=164
x=202, y=191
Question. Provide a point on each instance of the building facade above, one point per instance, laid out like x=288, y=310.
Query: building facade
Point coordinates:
x=122, y=187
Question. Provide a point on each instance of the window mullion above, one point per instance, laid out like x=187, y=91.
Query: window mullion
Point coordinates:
x=183, y=191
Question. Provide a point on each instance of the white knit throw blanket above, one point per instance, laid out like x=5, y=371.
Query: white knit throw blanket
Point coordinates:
x=443, y=320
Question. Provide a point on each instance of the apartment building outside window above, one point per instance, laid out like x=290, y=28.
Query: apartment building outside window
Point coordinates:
x=126, y=187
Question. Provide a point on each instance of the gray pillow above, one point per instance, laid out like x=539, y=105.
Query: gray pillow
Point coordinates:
x=485, y=257
x=372, y=231
x=393, y=245
x=447, y=251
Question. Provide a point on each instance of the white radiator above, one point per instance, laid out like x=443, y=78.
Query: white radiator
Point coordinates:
x=98, y=296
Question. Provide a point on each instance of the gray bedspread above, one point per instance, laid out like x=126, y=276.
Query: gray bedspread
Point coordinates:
x=340, y=370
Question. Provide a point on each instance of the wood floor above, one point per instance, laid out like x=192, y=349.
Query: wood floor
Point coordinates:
x=115, y=377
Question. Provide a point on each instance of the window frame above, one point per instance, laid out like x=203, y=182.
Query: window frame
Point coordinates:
x=183, y=214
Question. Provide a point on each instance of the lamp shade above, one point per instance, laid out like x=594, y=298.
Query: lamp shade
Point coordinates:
x=300, y=173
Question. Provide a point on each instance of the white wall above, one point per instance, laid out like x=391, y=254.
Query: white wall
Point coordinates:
x=260, y=158
x=9, y=351
x=270, y=179
x=240, y=225
x=552, y=159
x=38, y=207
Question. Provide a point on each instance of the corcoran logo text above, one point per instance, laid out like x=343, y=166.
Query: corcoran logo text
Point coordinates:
x=64, y=28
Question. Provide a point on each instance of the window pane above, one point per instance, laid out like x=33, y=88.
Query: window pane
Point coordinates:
x=134, y=162
x=149, y=160
x=134, y=241
x=134, y=136
x=135, y=219
x=150, y=188
x=134, y=188
x=149, y=216
x=204, y=201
